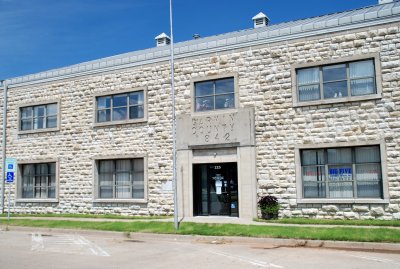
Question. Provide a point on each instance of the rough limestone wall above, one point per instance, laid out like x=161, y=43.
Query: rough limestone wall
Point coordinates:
x=264, y=79
x=78, y=142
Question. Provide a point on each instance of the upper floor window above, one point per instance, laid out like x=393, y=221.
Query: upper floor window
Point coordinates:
x=38, y=180
x=214, y=94
x=38, y=117
x=348, y=172
x=120, y=107
x=336, y=81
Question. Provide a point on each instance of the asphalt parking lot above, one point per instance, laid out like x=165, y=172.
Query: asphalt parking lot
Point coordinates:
x=44, y=248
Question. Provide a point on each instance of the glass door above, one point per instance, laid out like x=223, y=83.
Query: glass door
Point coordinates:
x=215, y=189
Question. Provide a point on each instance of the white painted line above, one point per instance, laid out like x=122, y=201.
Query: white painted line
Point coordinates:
x=74, y=244
x=371, y=258
x=247, y=260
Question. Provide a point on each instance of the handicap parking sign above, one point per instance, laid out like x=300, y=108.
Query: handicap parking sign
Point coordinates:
x=10, y=177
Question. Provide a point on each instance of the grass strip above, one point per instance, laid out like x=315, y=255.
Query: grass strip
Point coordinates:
x=187, y=228
x=86, y=216
x=384, y=223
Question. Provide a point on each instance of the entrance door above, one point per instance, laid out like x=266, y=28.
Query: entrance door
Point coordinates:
x=215, y=189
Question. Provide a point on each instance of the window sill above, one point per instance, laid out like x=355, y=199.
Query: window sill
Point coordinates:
x=335, y=101
x=112, y=123
x=45, y=130
x=343, y=201
x=33, y=200
x=133, y=201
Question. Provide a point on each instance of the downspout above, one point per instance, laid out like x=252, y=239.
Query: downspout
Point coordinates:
x=4, y=144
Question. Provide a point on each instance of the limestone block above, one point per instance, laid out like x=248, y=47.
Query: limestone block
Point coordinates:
x=359, y=208
x=330, y=208
x=377, y=211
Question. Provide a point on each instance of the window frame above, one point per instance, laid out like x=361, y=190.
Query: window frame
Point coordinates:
x=299, y=179
x=96, y=185
x=125, y=121
x=19, y=182
x=37, y=104
x=214, y=78
x=344, y=60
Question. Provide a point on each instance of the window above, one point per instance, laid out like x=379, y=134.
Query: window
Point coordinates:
x=352, y=172
x=38, y=180
x=38, y=117
x=214, y=94
x=120, y=107
x=121, y=179
x=336, y=81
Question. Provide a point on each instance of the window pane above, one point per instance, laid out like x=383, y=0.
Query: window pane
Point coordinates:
x=28, y=171
x=136, y=98
x=339, y=155
x=308, y=76
x=314, y=173
x=103, y=102
x=136, y=112
x=106, y=192
x=309, y=92
x=362, y=86
x=204, y=88
x=52, y=122
x=52, y=110
x=334, y=72
x=224, y=101
x=123, y=192
x=38, y=123
x=106, y=166
x=104, y=115
x=368, y=154
x=369, y=189
x=26, y=112
x=26, y=124
x=362, y=69
x=312, y=157
x=119, y=113
x=314, y=189
x=204, y=103
x=224, y=86
x=341, y=190
x=335, y=89
x=51, y=192
x=39, y=111
x=138, y=179
x=120, y=100
x=368, y=172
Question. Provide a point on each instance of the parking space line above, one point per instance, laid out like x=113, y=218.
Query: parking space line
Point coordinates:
x=371, y=258
x=74, y=244
x=247, y=260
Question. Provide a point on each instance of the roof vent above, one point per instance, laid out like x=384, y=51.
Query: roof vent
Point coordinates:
x=196, y=36
x=260, y=20
x=385, y=1
x=162, y=40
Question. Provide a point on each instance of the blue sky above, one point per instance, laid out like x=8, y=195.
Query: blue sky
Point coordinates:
x=38, y=35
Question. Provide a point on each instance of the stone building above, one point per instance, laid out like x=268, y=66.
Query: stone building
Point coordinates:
x=308, y=111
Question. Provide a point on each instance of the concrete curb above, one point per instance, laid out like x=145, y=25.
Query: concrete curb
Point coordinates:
x=264, y=243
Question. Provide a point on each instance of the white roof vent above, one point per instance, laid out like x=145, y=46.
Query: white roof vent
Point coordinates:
x=260, y=20
x=162, y=40
x=385, y=1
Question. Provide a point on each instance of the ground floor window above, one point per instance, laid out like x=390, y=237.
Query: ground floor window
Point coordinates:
x=121, y=179
x=38, y=180
x=345, y=172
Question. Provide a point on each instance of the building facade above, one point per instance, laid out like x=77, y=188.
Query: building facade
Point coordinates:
x=307, y=111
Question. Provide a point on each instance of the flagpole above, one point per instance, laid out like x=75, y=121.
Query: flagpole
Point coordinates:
x=176, y=223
